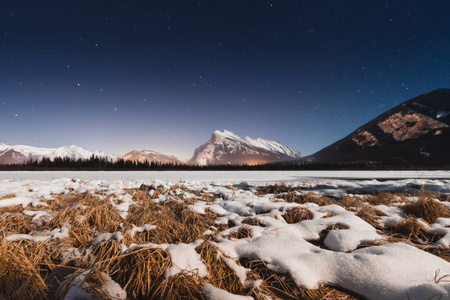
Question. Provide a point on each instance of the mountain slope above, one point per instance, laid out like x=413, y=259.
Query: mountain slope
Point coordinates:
x=416, y=132
x=225, y=147
x=17, y=154
x=151, y=156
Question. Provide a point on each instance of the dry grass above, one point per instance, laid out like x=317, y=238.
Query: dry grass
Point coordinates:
x=253, y=222
x=273, y=284
x=350, y=203
x=274, y=189
x=427, y=208
x=105, y=253
x=182, y=286
x=371, y=215
x=11, y=209
x=410, y=229
x=385, y=198
x=309, y=197
x=15, y=223
x=220, y=275
x=297, y=214
x=7, y=196
x=140, y=272
x=281, y=286
x=338, y=226
x=174, y=221
x=22, y=270
x=241, y=232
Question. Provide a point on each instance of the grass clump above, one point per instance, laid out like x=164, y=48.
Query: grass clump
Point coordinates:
x=241, y=232
x=309, y=197
x=15, y=223
x=410, y=229
x=427, y=208
x=182, y=286
x=385, y=198
x=175, y=223
x=22, y=270
x=141, y=271
x=370, y=214
x=297, y=214
x=220, y=274
x=350, y=203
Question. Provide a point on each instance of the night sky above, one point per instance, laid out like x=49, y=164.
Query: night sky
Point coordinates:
x=162, y=75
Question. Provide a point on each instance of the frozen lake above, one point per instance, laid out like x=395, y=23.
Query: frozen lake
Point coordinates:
x=227, y=176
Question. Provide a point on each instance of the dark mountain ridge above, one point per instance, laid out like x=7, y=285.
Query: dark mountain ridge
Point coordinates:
x=416, y=132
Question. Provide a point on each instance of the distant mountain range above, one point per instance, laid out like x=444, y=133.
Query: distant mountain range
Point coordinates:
x=225, y=147
x=415, y=132
x=19, y=154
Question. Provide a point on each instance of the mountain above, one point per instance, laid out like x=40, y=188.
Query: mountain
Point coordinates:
x=18, y=154
x=151, y=156
x=415, y=132
x=225, y=147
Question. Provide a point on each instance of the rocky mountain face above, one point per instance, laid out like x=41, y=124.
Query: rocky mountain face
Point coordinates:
x=225, y=147
x=151, y=156
x=416, y=132
x=18, y=154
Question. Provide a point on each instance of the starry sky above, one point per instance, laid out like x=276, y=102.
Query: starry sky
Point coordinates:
x=122, y=75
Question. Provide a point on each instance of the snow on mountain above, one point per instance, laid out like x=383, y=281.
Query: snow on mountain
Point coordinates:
x=151, y=156
x=17, y=154
x=225, y=147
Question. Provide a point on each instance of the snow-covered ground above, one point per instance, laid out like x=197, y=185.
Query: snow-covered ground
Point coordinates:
x=353, y=254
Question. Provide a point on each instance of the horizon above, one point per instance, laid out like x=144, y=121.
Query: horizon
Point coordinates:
x=162, y=76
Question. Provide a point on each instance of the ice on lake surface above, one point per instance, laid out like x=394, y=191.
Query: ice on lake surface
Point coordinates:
x=226, y=176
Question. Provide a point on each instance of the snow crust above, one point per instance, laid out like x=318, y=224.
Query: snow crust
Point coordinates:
x=185, y=258
x=213, y=293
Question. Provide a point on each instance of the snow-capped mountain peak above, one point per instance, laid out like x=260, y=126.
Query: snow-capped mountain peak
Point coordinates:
x=225, y=147
x=17, y=154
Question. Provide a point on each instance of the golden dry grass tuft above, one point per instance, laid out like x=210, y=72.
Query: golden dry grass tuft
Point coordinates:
x=273, y=284
x=140, y=272
x=22, y=270
x=105, y=252
x=15, y=223
x=182, y=286
x=103, y=216
x=297, y=214
x=220, y=275
x=241, y=232
x=307, y=198
x=11, y=209
x=350, y=203
x=253, y=222
x=427, y=208
x=7, y=196
x=385, y=198
x=410, y=229
x=281, y=286
x=175, y=223
x=371, y=215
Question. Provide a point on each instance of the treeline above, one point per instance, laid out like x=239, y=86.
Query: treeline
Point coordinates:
x=102, y=164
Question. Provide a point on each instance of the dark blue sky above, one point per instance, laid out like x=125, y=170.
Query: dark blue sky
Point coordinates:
x=121, y=75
